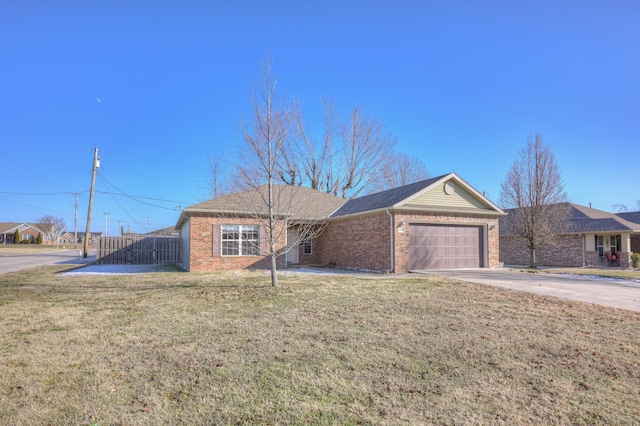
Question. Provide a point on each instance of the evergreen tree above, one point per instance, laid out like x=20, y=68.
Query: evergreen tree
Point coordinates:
x=39, y=238
x=16, y=237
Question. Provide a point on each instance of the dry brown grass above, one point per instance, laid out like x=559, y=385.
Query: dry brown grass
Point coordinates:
x=628, y=274
x=167, y=348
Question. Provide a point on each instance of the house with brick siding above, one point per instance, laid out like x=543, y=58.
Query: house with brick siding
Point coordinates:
x=586, y=237
x=442, y=222
x=28, y=232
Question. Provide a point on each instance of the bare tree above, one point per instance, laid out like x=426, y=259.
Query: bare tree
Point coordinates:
x=348, y=158
x=54, y=226
x=218, y=176
x=278, y=208
x=620, y=207
x=534, y=189
x=401, y=169
x=315, y=155
x=265, y=139
x=365, y=146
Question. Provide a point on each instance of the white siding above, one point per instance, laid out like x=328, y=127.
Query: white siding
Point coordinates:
x=437, y=197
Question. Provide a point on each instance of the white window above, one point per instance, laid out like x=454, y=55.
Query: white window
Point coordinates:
x=306, y=247
x=240, y=240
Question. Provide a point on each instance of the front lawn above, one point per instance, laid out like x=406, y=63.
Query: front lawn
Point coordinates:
x=627, y=274
x=172, y=347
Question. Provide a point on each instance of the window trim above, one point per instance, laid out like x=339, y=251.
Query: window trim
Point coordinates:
x=307, y=244
x=240, y=232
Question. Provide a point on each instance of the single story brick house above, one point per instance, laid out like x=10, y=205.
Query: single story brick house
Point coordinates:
x=585, y=239
x=440, y=222
x=28, y=232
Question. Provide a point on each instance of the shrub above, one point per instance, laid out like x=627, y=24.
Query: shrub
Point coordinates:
x=39, y=238
x=635, y=260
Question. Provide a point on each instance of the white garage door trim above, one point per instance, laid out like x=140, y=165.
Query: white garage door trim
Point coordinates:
x=444, y=246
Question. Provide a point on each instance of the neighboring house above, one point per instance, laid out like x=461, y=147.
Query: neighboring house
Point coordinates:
x=48, y=230
x=437, y=223
x=93, y=237
x=169, y=231
x=586, y=238
x=67, y=238
x=28, y=232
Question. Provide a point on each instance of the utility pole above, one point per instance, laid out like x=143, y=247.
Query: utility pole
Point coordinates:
x=96, y=164
x=106, y=224
x=148, y=225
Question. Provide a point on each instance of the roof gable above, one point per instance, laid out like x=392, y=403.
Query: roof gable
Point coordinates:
x=446, y=193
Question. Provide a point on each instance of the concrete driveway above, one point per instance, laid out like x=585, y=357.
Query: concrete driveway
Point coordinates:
x=617, y=293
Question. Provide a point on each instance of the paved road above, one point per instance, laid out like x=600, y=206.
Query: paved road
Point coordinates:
x=20, y=261
x=623, y=294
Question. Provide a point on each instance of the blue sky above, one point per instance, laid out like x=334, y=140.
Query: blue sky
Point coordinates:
x=160, y=86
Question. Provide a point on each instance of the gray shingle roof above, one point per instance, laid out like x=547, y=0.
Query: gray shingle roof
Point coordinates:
x=630, y=216
x=384, y=199
x=585, y=219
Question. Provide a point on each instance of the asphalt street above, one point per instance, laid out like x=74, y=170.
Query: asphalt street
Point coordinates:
x=18, y=262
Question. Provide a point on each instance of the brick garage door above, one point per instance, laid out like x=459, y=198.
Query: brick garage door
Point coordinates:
x=445, y=246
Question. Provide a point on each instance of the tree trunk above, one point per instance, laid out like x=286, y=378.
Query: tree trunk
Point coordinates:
x=274, y=269
x=532, y=258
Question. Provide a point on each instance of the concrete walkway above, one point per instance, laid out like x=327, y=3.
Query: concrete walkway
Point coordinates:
x=617, y=293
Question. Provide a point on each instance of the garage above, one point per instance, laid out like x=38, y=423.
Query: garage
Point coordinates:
x=445, y=246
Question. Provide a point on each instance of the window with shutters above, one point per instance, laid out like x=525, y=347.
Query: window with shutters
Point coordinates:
x=240, y=240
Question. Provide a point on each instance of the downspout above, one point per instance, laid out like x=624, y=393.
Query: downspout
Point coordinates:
x=584, y=250
x=391, y=245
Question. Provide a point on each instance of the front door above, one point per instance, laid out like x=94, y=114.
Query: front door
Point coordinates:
x=600, y=245
x=292, y=245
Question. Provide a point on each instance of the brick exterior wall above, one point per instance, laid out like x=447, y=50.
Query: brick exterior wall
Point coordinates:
x=565, y=251
x=314, y=258
x=361, y=242
x=201, y=257
x=32, y=235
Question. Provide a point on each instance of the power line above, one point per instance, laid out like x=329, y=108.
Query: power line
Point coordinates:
x=43, y=193
x=145, y=198
x=134, y=198
x=156, y=177
x=33, y=207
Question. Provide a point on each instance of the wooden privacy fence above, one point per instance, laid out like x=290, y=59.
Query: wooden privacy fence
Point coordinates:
x=138, y=250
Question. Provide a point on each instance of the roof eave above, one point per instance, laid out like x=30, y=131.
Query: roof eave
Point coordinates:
x=449, y=210
x=394, y=209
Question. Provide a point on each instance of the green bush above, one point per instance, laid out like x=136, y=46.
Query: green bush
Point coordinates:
x=39, y=238
x=635, y=260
